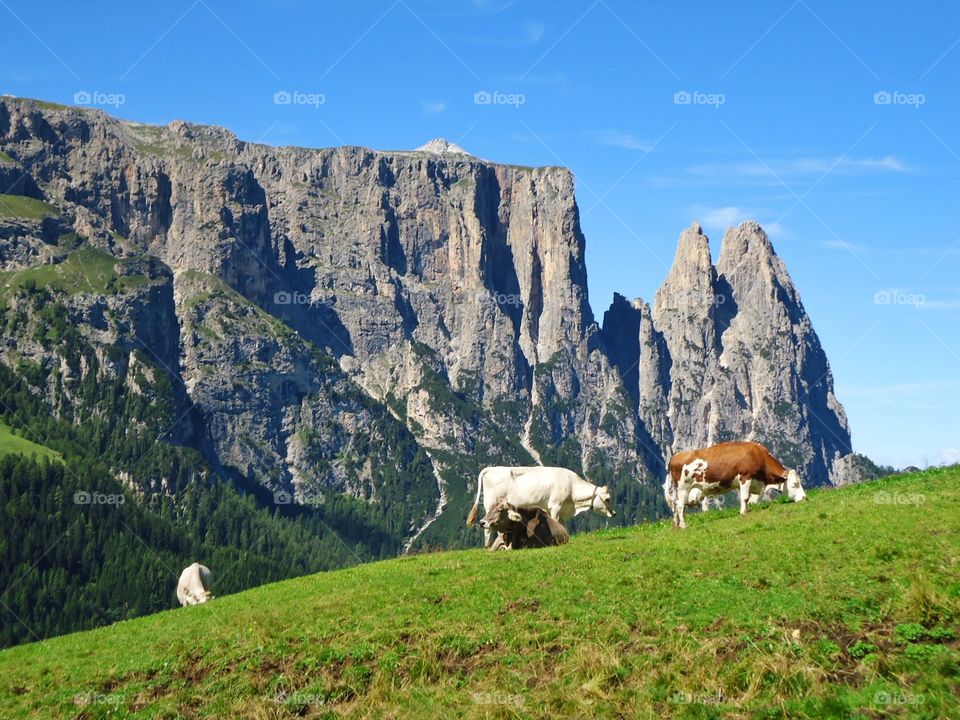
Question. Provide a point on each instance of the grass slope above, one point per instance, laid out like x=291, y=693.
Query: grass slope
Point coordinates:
x=11, y=443
x=843, y=606
x=20, y=206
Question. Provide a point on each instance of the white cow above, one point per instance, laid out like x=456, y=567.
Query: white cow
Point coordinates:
x=194, y=586
x=557, y=491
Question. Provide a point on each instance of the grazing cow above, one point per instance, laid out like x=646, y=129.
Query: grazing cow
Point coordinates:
x=770, y=492
x=745, y=466
x=195, y=585
x=696, y=497
x=522, y=528
x=557, y=491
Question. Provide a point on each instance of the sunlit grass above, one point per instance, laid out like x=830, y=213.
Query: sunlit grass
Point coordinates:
x=843, y=606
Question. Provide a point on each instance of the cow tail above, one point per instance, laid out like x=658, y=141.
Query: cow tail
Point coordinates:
x=669, y=490
x=472, y=517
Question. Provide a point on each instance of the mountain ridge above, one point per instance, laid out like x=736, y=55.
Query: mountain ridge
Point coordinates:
x=375, y=327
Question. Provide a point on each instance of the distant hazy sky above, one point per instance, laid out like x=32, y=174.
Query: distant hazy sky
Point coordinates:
x=858, y=191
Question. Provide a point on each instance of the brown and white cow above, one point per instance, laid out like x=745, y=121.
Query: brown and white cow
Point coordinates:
x=744, y=466
x=522, y=527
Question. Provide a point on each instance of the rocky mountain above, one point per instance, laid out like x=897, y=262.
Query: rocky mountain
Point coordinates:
x=728, y=352
x=382, y=324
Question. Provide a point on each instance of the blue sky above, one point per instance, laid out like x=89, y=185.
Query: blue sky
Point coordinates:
x=784, y=124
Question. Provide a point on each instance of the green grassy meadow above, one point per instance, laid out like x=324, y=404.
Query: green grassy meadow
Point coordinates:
x=20, y=206
x=12, y=443
x=845, y=606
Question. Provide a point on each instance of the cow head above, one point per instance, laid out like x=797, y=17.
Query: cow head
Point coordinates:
x=794, y=487
x=603, y=502
x=499, y=517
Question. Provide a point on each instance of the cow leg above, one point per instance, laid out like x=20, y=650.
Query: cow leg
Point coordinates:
x=683, y=493
x=487, y=537
x=744, y=496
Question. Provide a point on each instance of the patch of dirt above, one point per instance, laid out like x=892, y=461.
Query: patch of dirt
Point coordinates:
x=520, y=605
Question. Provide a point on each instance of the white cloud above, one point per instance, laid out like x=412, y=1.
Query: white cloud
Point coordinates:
x=951, y=304
x=533, y=32
x=530, y=33
x=775, y=230
x=433, y=107
x=493, y=6
x=950, y=456
x=616, y=138
x=722, y=217
x=796, y=167
x=844, y=245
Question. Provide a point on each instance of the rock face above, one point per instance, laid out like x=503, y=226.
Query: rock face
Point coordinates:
x=728, y=352
x=450, y=291
x=338, y=319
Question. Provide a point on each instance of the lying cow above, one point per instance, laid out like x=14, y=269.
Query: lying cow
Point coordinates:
x=522, y=528
x=747, y=467
x=194, y=586
x=558, y=491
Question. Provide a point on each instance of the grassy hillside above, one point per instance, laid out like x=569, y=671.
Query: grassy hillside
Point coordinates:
x=843, y=606
x=13, y=443
x=19, y=206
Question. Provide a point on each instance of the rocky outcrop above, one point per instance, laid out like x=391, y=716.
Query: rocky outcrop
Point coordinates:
x=346, y=320
x=449, y=289
x=728, y=352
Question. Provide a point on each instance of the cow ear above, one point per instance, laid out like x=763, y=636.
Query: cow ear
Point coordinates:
x=514, y=516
